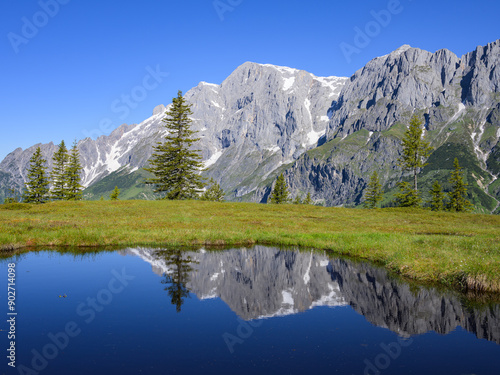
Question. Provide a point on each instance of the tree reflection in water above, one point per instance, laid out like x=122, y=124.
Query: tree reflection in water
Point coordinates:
x=177, y=277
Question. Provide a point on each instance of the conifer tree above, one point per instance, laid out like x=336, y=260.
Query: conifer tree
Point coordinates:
x=307, y=199
x=373, y=193
x=280, y=194
x=458, y=194
x=58, y=175
x=115, y=194
x=407, y=196
x=176, y=167
x=415, y=150
x=437, y=197
x=13, y=197
x=37, y=187
x=73, y=171
x=298, y=199
x=214, y=193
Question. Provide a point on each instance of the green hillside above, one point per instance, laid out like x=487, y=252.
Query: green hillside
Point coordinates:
x=131, y=186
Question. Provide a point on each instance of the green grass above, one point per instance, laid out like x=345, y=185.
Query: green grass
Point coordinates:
x=397, y=130
x=490, y=132
x=460, y=250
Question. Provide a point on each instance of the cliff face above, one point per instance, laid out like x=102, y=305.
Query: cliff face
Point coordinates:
x=458, y=99
x=266, y=282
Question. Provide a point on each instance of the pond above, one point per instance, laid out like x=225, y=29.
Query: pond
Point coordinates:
x=260, y=310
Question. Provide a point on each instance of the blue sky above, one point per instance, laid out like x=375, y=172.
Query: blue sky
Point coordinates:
x=73, y=68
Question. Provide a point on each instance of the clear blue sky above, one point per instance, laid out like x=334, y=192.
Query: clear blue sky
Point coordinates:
x=65, y=78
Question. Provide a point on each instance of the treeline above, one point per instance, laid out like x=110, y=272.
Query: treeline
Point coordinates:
x=62, y=183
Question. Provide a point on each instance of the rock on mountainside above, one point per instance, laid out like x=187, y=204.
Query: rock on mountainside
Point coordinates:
x=326, y=134
x=259, y=118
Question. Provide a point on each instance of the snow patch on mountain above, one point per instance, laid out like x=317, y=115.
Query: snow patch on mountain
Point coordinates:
x=213, y=159
x=288, y=83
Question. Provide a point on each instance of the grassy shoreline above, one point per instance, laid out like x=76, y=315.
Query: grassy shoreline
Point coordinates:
x=457, y=250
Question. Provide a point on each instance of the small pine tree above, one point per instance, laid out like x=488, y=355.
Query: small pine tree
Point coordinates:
x=58, y=175
x=307, y=199
x=298, y=199
x=458, y=194
x=73, y=171
x=176, y=167
x=13, y=197
x=415, y=149
x=102, y=198
x=280, y=194
x=373, y=193
x=437, y=197
x=37, y=187
x=214, y=193
x=407, y=196
x=115, y=194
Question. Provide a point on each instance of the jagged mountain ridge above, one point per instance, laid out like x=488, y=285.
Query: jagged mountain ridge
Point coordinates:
x=265, y=119
x=260, y=117
x=459, y=100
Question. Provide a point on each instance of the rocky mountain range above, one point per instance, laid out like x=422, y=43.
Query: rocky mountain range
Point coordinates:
x=264, y=282
x=326, y=134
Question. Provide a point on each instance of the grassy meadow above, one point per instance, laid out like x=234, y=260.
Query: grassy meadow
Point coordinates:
x=459, y=250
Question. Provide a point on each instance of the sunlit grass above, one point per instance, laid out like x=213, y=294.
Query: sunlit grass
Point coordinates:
x=454, y=249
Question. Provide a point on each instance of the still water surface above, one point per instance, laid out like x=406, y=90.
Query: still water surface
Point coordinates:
x=241, y=311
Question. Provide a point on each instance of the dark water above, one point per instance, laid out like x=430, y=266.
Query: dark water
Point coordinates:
x=242, y=311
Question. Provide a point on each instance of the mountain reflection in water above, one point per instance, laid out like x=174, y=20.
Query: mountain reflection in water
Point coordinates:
x=265, y=282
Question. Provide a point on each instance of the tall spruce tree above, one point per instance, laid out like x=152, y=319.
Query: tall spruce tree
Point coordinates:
x=59, y=175
x=37, y=187
x=415, y=150
x=176, y=167
x=280, y=194
x=457, y=195
x=73, y=178
x=437, y=197
x=373, y=193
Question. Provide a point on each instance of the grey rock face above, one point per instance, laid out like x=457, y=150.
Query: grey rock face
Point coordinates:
x=330, y=184
x=388, y=89
x=260, y=117
x=265, y=282
x=449, y=93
